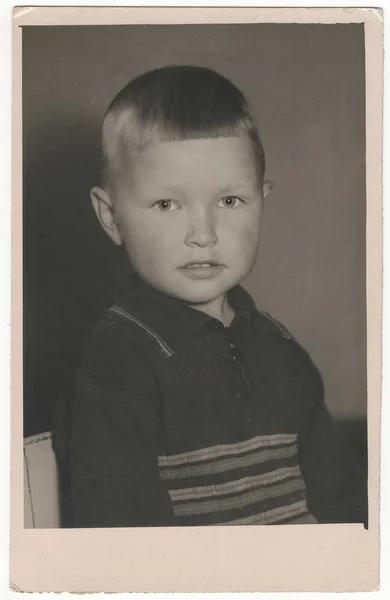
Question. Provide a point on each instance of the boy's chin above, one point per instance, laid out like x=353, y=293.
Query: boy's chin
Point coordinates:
x=200, y=296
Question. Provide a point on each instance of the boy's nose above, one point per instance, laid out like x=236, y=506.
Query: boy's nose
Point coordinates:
x=201, y=232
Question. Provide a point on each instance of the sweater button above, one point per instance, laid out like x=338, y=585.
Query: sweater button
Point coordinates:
x=216, y=325
x=236, y=354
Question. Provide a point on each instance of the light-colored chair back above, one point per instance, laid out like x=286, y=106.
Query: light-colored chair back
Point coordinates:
x=41, y=483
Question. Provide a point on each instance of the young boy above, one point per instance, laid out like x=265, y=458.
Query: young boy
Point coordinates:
x=191, y=406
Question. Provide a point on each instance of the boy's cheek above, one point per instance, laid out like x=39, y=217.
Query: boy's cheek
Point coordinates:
x=149, y=249
x=247, y=235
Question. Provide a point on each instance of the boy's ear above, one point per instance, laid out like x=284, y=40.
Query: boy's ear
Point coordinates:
x=104, y=210
x=267, y=188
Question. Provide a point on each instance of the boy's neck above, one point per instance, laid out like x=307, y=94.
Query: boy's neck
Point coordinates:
x=218, y=309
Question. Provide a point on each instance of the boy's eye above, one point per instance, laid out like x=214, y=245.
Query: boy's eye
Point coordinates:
x=229, y=202
x=166, y=205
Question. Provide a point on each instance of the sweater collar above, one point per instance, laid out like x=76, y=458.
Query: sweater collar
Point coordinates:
x=173, y=319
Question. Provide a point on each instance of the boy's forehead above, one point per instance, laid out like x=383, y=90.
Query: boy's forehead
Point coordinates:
x=211, y=146
x=232, y=160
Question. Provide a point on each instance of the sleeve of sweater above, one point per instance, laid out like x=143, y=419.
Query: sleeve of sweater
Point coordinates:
x=113, y=432
x=336, y=489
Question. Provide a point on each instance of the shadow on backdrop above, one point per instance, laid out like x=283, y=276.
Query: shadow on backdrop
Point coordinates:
x=70, y=268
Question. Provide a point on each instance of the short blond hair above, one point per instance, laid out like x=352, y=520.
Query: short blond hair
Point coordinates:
x=174, y=103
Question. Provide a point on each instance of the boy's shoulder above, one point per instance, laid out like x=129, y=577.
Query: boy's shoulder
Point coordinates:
x=274, y=326
x=112, y=349
x=287, y=349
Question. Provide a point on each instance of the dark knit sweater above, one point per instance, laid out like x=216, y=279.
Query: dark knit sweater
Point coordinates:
x=178, y=420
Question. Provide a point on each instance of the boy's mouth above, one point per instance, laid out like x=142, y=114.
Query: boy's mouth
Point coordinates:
x=201, y=264
x=202, y=269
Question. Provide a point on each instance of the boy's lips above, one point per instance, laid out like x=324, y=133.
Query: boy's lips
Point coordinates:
x=202, y=269
x=197, y=263
x=200, y=264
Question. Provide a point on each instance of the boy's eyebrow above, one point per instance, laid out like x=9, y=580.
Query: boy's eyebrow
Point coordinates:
x=164, y=187
x=242, y=185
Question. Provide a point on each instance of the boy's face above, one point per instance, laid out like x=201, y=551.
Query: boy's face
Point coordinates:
x=188, y=213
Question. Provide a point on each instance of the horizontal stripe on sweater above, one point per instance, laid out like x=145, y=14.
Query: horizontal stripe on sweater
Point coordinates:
x=272, y=516
x=212, y=452
x=267, y=495
x=236, y=486
x=226, y=476
x=237, y=511
x=260, y=456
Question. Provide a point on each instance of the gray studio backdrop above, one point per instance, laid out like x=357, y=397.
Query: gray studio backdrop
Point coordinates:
x=306, y=86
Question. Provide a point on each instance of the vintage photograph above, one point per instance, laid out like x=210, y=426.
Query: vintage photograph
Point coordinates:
x=194, y=275
x=200, y=352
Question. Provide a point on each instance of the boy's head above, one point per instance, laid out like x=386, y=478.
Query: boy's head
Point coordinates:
x=183, y=181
